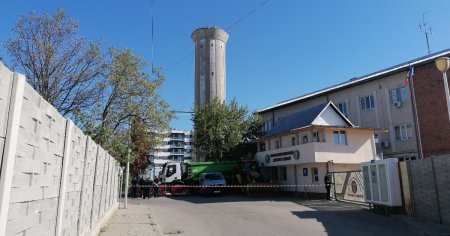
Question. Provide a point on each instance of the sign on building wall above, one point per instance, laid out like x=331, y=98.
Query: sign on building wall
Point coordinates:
x=354, y=190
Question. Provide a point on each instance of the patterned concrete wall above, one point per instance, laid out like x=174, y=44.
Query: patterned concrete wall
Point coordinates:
x=37, y=179
x=441, y=168
x=98, y=183
x=37, y=170
x=5, y=90
x=74, y=182
x=424, y=193
x=88, y=187
x=430, y=188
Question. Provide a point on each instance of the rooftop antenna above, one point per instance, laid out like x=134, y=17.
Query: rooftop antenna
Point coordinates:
x=426, y=29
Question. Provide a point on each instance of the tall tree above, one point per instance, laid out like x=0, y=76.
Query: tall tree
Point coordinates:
x=220, y=129
x=64, y=69
x=131, y=112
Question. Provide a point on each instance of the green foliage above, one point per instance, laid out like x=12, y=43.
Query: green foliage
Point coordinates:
x=130, y=107
x=223, y=132
x=108, y=95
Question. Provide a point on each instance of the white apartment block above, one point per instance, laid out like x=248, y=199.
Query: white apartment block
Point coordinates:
x=176, y=147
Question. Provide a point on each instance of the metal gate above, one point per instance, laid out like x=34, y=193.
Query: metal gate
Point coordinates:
x=347, y=185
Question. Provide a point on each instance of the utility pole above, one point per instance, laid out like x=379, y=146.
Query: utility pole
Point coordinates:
x=426, y=29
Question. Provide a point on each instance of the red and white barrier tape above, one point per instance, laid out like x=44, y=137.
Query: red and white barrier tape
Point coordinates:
x=233, y=186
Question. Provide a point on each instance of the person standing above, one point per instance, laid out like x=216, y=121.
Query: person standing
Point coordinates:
x=134, y=182
x=327, y=186
x=146, y=188
x=155, y=188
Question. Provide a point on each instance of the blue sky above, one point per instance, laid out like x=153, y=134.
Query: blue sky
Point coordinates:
x=285, y=49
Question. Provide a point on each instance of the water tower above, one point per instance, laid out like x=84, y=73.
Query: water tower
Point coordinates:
x=210, y=72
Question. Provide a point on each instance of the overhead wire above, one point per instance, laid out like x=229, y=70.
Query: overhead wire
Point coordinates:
x=227, y=28
x=238, y=21
x=152, y=12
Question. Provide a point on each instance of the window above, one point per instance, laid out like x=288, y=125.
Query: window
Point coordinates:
x=305, y=139
x=340, y=137
x=277, y=145
x=171, y=169
x=316, y=136
x=293, y=141
x=343, y=108
x=403, y=132
x=367, y=102
x=283, y=173
x=262, y=146
x=399, y=95
x=315, y=174
x=267, y=125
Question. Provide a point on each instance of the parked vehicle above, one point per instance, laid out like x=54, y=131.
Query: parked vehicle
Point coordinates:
x=186, y=177
x=212, y=182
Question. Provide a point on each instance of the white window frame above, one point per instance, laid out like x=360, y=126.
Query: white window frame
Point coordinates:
x=343, y=108
x=405, y=132
x=367, y=102
x=400, y=94
x=267, y=125
x=342, y=138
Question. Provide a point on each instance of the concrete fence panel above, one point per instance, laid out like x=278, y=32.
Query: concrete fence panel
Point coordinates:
x=74, y=182
x=54, y=180
x=97, y=188
x=37, y=170
x=423, y=189
x=88, y=187
x=442, y=177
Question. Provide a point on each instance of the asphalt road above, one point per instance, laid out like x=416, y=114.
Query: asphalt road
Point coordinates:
x=238, y=215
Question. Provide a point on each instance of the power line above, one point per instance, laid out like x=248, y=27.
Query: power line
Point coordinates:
x=152, y=12
x=247, y=15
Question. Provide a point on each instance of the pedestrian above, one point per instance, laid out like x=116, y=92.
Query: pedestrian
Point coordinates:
x=146, y=188
x=134, y=182
x=327, y=186
x=141, y=184
x=155, y=188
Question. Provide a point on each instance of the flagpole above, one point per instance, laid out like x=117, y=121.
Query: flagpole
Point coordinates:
x=414, y=108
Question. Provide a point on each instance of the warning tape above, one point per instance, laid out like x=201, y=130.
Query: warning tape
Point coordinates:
x=234, y=186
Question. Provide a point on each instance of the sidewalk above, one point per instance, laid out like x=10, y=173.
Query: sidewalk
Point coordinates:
x=136, y=221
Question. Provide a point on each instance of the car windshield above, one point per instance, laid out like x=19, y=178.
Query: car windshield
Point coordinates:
x=213, y=176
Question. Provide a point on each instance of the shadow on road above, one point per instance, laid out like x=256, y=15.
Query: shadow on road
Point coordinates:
x=205, y=199
x=340, y=218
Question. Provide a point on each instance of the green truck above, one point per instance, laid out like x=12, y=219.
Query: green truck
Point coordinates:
x=189, y=174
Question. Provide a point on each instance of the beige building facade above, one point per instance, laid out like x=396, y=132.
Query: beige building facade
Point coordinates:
x=372, y=101
x=299, y=149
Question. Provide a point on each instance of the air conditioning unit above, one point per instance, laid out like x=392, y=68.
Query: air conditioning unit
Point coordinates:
x=397, y=104
x=385, y=144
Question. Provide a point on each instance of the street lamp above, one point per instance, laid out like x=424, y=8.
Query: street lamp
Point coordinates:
x=442, y=65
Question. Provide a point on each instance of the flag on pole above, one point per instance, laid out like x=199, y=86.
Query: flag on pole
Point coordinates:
x=410, y=74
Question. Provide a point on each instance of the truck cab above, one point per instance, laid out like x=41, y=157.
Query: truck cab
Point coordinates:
x=171, y=172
